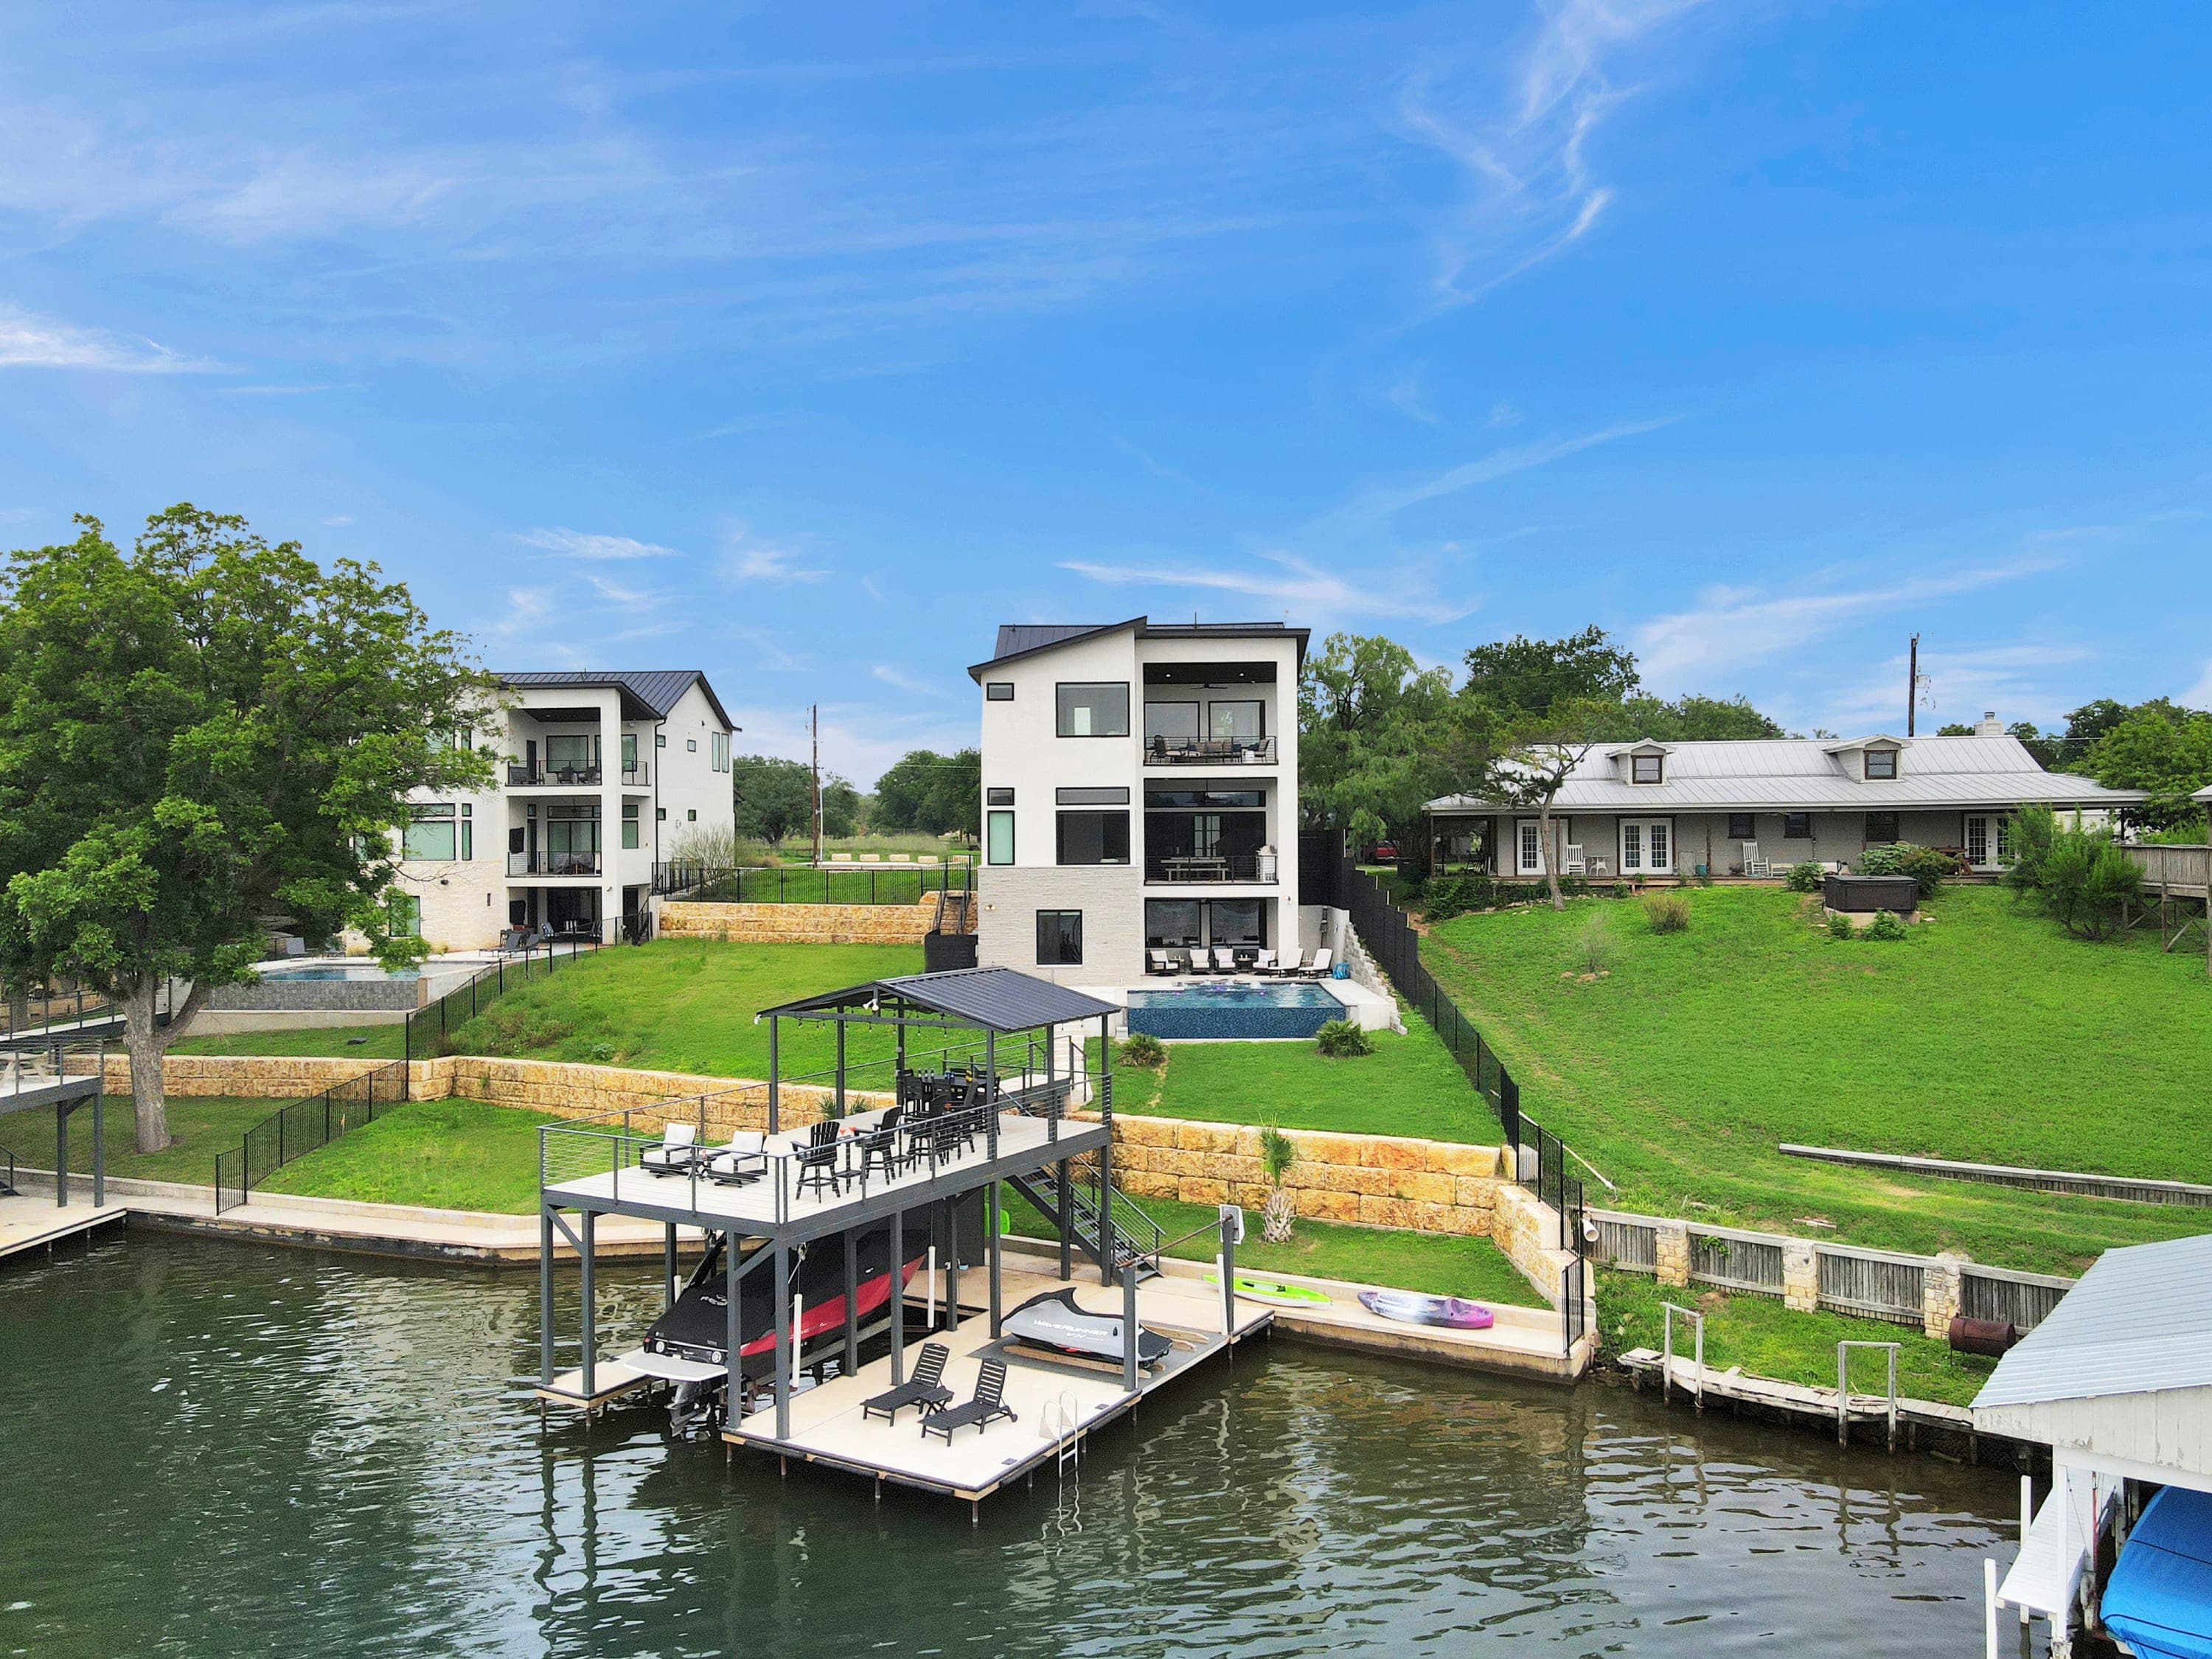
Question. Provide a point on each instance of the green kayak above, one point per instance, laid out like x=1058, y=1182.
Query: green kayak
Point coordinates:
x=1276, y=1291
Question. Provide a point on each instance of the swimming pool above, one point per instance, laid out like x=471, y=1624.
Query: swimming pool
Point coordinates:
x=1220, y=1008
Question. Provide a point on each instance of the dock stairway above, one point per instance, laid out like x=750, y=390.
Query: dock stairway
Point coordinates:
x=1129, y=1238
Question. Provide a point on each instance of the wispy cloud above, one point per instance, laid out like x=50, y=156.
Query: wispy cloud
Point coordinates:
x=580, y=544
x=2199, y=695
x=2016, y=681
x=620, y=597
x=1406, y=395
x=1734, y=626
x=336, y=519
x=748, y=561
x=526, y=607
x=1380, y=503
x=32, y=342
x=1294, y=588
x=892, y=674
x=1530, y=190
x=290, y=391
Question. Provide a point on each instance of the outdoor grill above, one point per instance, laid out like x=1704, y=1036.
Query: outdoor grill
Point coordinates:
x=1862, y=894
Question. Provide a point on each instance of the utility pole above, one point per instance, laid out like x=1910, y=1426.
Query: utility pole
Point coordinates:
x=1912, y=685
x=814, y=718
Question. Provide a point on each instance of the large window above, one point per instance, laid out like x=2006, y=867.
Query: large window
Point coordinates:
x=1169, y=799
x=1880, y=829
x=629, y=755
x=1880, y=765
x=434, y=835
x=571, y=753
x=1235, y=921
x=1169, y=923
x=999, y=838
x=1245, y=720
x=629, y=825
x=1099, y=710
x=402, y=915
x=718, y=751
x=1094, y=838
x=1060, y=938
x=1177, y=722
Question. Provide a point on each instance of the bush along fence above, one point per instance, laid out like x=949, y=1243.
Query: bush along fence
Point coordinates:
x=302, y=1126
x=427, y=1026
x=781, y=883
x=1809, y=1273
x=1541, y=1159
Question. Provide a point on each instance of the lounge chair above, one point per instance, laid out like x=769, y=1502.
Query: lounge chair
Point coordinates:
x=1293, y=962
x=1318, y=968
x=1263, y=962
x=923, y=1389
x=744, y=1160
x=1225, y=959
x=677, y=1152
x=988, y=1404
x=1158, y=962
x=1197, y=960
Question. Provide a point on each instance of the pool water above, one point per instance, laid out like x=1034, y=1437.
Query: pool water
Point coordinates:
x=1218, y=1009
x=218, y=1448
x=364, y=971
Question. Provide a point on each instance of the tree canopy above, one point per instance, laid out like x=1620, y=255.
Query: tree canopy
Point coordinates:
x=1378, y=737
x=937, y=794
x=775, y=797
x=2157, y=746
x=1521, y=677
x=196, y=736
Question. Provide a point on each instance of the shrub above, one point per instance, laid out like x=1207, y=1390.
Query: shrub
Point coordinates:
x=1340, y=1039
x=1593, y=948
x=1805, y=878
x=1839, y=927
x=1926, y=864
x=1142, y=1049
x=603, y=1053
x=1277, y=1153
x=1446, y=897
x=1887, y=925
x=2087, y=883
x=1667, y=912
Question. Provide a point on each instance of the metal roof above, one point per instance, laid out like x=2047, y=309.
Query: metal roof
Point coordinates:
x=655, y=690
x=1779, y=774
x=989, y=999
x=2139, y=1320
x=1025, y=639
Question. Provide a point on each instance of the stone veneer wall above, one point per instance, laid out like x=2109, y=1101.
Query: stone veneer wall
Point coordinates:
x=798, y=924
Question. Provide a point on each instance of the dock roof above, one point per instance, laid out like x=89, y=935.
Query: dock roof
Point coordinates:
x=2138, y=1322
x=989, y=999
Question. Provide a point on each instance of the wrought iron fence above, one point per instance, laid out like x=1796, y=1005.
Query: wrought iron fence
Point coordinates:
x=430, y=1022
x=303, y=1125
x=807, y=884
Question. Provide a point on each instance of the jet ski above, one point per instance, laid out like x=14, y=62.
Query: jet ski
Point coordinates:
x=687, y=1345
x=1053, y=1320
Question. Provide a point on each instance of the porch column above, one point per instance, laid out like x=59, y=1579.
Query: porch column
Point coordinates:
x=611, y=805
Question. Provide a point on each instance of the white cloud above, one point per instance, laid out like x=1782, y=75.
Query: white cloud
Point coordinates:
x=859, y=741
x=1530, y=190
x=342, y=518
x=33, y=342
x=1302, y=591
x=892, y=674
x=622, y=598
x=290, y=391
x=746, y=562
x=1380, y=503
x=526, y=607
x=579, y=545
x=1405, y=394
x=2199, y=695
x=1734, y=626
x=2015, y=681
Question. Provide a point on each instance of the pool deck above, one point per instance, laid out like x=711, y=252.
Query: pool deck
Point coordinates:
x=1058, y=1403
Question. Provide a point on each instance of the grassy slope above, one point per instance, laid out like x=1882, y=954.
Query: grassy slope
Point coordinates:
x=1410, y=1086
x=1986, y=1035
x=1767, y=1340
x=201, y=1127
x=342, y=1041
x=448, y=1154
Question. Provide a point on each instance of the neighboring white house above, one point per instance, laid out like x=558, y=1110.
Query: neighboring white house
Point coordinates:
x=599, y=775
x=1140, y=788
x=1657, y=808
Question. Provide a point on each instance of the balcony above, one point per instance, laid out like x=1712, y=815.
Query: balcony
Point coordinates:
x=554, y=777
x=1210, y=751
x=553, y=864
x=1258, y=868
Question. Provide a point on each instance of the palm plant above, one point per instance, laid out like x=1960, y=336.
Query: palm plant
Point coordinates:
x=1278, y=1152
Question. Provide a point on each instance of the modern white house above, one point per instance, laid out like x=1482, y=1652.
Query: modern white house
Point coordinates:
x=1141, y=789
x=1757, y=806
x=599, y=775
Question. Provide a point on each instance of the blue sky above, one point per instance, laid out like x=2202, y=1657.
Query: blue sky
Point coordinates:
x=804, y=344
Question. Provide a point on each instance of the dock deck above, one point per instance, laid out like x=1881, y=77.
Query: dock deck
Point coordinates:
x=28, y=1221
x=1058, y=1402
x=1804, y=1403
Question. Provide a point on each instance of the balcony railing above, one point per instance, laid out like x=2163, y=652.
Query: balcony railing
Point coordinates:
x=1210, y=751
x=1258, y=867
x=574, y=777
x=636, y=777
x=553, y=864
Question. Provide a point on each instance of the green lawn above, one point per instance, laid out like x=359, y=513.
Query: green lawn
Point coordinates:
x=202, y=1126
x=447, y=1154
x=1986, y=1035
x=1768, y=1340
x=1410, y=1086
x=1438, y=1263
x=342, y=1041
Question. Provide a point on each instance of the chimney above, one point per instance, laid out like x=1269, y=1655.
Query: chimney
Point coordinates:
x=1988, y=725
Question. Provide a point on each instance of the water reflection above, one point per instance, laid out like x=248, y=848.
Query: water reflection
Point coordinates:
x=216, y=1449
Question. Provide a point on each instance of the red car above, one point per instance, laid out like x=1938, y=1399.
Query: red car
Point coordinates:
x=1385, y=852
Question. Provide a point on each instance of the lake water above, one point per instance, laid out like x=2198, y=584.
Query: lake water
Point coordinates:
x=221, y=1450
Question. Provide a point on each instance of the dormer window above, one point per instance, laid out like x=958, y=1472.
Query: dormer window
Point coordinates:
x=1880, y=765
x=1647, y=769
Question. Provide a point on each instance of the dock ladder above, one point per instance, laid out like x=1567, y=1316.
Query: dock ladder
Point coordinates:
x=1843, y=1390
x=1061, y=1422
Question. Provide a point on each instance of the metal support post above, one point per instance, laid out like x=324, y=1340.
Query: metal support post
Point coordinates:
x=840, y=1110
x=61, y=1154
x=898, y=1297
x=775, y=1081
x=991, y=1094
x=733, y=1335
x=785, y=1339
x=851, y=1363
x=993, y=1226
x=591, y=1311
x=952, y=1264
x=1228, y=1279
x=1129, y=1327
x=99, y=1143
x=668, y=1266
x=1067, y=1219
x=545, y=1297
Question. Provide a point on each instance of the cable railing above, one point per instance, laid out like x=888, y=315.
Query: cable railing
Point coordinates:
x=35, y=1067
x=811, y=884
x=302, y=1128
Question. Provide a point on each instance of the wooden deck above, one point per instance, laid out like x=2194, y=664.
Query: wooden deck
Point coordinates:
x=1058, y=1403
x=2180, y=871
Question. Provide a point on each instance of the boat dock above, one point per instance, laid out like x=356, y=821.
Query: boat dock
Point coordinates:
x=28, y=1222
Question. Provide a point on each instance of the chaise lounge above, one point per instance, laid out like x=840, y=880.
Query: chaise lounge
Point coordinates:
x=987, y=1406
x=923, y=1389
x=1319, y=967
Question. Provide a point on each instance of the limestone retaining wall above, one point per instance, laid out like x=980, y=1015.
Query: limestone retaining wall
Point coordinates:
x=798, y=924
x=252, y=1077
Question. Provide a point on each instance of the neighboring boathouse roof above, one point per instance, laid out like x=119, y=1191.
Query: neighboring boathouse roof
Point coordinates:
x=2140, y=1322
x=990, y=998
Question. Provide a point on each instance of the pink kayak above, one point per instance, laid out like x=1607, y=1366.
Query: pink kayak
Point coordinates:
x=1413, y=1310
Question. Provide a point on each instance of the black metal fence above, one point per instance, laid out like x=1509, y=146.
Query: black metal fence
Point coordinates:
x=805, y=884
x=1539, y=1157
x=430, y=1022
x=303, y=1125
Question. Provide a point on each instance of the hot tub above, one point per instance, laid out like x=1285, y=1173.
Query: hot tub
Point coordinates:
x=1861, y=894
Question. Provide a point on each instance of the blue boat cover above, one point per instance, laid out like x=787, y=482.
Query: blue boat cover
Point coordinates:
x=2159, y=1599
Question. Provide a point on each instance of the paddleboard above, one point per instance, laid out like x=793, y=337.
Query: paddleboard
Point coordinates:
x=1276, y=1291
